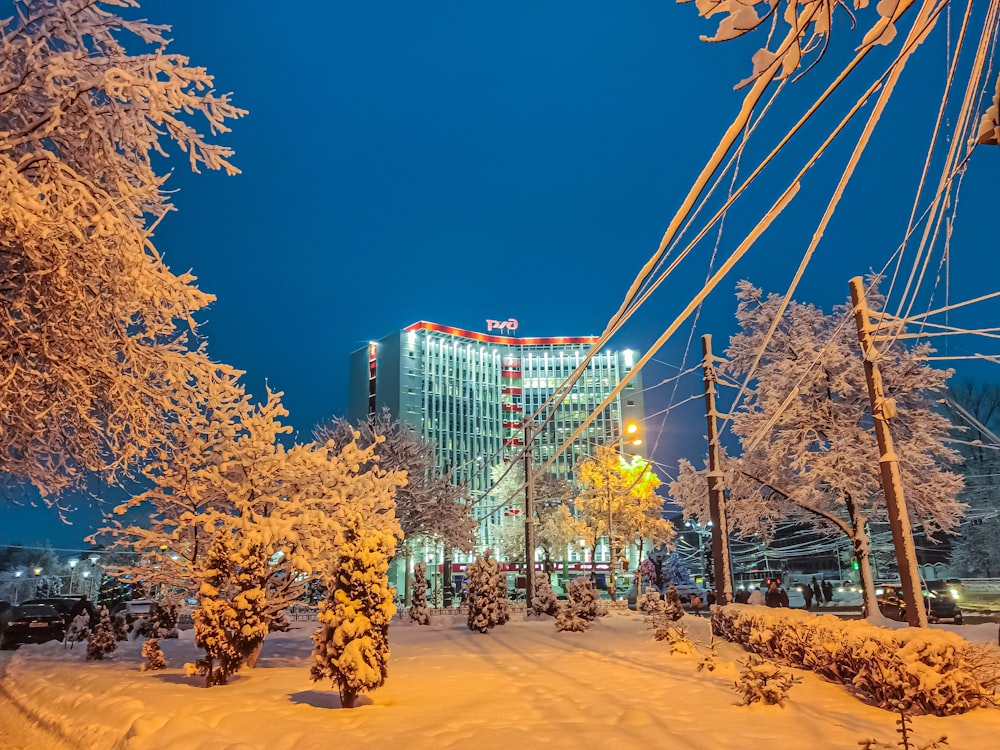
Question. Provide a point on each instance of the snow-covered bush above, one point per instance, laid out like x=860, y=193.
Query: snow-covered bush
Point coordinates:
x=102, y=641
x=650, y=601
x=667, y=628
x=937, y=672
x=544, y=601
x=351, y=646
x=79, y=630
x=672, y=607
x=419, y=611
x=568, y=618
x=154, y=656
x=163, y=617
x=228, y=622
x=763, y=682
x=488, y=603
x=581, y=605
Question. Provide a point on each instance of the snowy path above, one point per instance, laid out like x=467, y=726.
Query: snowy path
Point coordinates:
x=520, y=687
x=17, y=730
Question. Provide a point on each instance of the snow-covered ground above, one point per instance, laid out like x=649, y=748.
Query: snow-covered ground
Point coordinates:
x=521, y=686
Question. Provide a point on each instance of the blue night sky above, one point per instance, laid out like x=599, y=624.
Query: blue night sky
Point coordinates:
x=458, y=161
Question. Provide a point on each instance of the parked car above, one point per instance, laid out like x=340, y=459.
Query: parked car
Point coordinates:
x=69, y=607
x=939, y=608
x=132, y=611
x=30, y=623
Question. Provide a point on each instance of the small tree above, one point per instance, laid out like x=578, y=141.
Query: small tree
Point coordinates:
x=544, y=601
x=672, y=607
x=154, y=656
x=650, y=601
x=102, y=641
x=581, y=607
x=488, y=604
x=419, y=612
x=79, y=629
x=351, y=646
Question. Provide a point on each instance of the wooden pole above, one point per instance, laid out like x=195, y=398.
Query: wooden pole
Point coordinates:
x=884, y=409
x=723, y=583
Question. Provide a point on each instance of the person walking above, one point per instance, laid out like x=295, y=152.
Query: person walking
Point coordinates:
x=827, y=592
x=773, y=596
x=696, y=605
x=817, y=591
x=756, y=597
x=807, y=594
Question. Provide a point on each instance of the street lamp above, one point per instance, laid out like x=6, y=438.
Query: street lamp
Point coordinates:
x=72, y=570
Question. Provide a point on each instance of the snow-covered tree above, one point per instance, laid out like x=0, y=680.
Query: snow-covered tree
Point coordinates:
x=581, y=607
x=96, y=328
x=487, y=598
x=806, y=430
x=352, y=643
x=78, y=630
x=229, y=622
x=102, y=641
x=975, y=410
x=430, y=505
x=672, y=607
x=619, y=501
x=544, y=602
x=274, y=514
x=650, y=601
x=419, y=612
x=153, y=655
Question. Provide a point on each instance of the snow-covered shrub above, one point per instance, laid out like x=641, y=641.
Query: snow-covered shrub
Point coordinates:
x=163, y=617
x=102, y=641
x=568, y=618
x=582, y=596
x=119, y=627
x=79, y=630
x=665, y=628
x=154, y=656
x=544, y=601
x=229, y=622
x=650, y=601
x=709, y=661
x=672, y=607
x=488, y=603
x=936, y=671
x=351, y=646
x=419, y=611
x=763, y=682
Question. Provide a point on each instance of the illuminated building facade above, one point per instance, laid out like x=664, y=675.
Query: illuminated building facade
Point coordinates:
x=470, y=392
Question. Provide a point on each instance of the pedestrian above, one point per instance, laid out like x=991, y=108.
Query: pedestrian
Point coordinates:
x=807, y=594
x=695, y=605
x=741, y=596
x=817, y=591
x=711, y=597
x=827, y=592
x=756, y=597
x=773, y=596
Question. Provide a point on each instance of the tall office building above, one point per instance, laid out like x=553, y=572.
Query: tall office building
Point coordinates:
x=470, y=393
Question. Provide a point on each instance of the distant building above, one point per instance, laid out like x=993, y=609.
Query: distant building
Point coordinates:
x=469, y=393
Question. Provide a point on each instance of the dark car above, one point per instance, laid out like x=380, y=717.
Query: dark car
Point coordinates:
x=69, y=607
x=939, y=608
x=30, y=623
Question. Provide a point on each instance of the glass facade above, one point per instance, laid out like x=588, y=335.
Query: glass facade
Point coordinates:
x=470, y=393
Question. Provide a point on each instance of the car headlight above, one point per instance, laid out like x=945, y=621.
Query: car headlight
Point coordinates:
x=954, y=593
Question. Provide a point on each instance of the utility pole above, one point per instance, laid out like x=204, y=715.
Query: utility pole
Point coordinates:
x=883, y=410
x=723, y=583
x=529, y=519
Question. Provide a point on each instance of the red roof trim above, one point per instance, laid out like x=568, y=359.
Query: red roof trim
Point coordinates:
x=423, y=325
